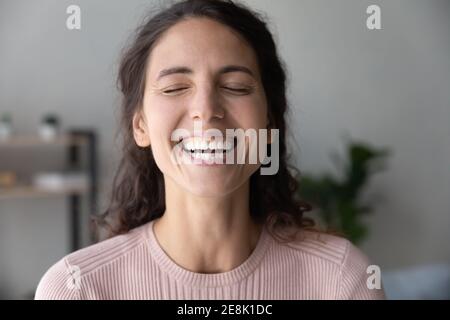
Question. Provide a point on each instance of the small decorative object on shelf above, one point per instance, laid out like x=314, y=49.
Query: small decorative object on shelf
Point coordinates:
x=7, y=179
x=60, y=180
x=5, y=126
x=49, y=127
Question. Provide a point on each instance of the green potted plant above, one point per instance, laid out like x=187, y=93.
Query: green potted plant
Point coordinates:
x=337, y=201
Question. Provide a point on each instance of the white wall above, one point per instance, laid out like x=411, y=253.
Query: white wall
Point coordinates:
x=389, y=87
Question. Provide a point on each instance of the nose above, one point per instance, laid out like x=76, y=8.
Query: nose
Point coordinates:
x=205, y=105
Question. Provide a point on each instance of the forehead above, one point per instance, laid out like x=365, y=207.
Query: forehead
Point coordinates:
x=201, y=43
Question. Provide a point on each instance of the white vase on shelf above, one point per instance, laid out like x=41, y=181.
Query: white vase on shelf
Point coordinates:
x=5, y=130
x=48, y=131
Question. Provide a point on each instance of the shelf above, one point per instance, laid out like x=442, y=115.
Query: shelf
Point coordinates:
x=74, y=141
x=31, y=140
x=27, y=191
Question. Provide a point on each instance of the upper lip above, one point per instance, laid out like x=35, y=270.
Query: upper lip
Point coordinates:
x=205, y=136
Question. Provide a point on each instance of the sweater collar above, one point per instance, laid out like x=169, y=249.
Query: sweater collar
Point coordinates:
x=202, y=280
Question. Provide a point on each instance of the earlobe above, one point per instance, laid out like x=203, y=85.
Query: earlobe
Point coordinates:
x=141, y=140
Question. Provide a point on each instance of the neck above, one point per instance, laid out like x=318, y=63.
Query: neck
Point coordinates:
x=207, y=234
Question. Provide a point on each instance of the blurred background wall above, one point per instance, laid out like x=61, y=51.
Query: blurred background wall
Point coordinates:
x=388, y=87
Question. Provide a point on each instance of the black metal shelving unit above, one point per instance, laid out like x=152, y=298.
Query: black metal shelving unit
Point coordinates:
x=75, y=198
x=74, y=140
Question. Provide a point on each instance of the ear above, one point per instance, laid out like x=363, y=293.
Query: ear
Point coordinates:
x=140, y=130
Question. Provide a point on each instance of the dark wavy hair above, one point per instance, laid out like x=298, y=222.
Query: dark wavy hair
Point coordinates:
x=138, y=187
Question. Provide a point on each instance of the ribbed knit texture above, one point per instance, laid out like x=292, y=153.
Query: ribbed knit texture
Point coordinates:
x=134, y=266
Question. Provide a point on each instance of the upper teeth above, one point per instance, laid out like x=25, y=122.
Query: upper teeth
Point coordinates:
x=200, y=144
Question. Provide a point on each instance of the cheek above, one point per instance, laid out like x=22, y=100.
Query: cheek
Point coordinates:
x=251, y=113
x=160, y=112
x=162, y=120
x=163, y=116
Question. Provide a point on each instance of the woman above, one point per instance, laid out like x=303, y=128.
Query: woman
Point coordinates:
x=198, y=229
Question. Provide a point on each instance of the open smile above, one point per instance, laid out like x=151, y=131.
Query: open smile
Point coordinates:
x=203, y=152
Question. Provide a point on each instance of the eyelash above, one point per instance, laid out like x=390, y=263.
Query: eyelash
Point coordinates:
x=240, y=91
x=170, y=91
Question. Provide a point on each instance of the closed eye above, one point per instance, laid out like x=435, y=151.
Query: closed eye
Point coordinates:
x=238, y=91
x=174, y=91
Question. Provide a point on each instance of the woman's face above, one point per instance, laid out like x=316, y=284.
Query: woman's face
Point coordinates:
x=202, y=72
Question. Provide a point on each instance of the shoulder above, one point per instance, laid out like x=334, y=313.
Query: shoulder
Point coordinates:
x=63, y=279
x=339, y=259
x=326, y=247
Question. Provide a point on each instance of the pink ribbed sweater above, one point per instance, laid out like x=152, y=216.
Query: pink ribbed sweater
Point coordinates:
x=134, y=266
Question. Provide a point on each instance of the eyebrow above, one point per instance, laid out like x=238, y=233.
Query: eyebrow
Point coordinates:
x=186, y=70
